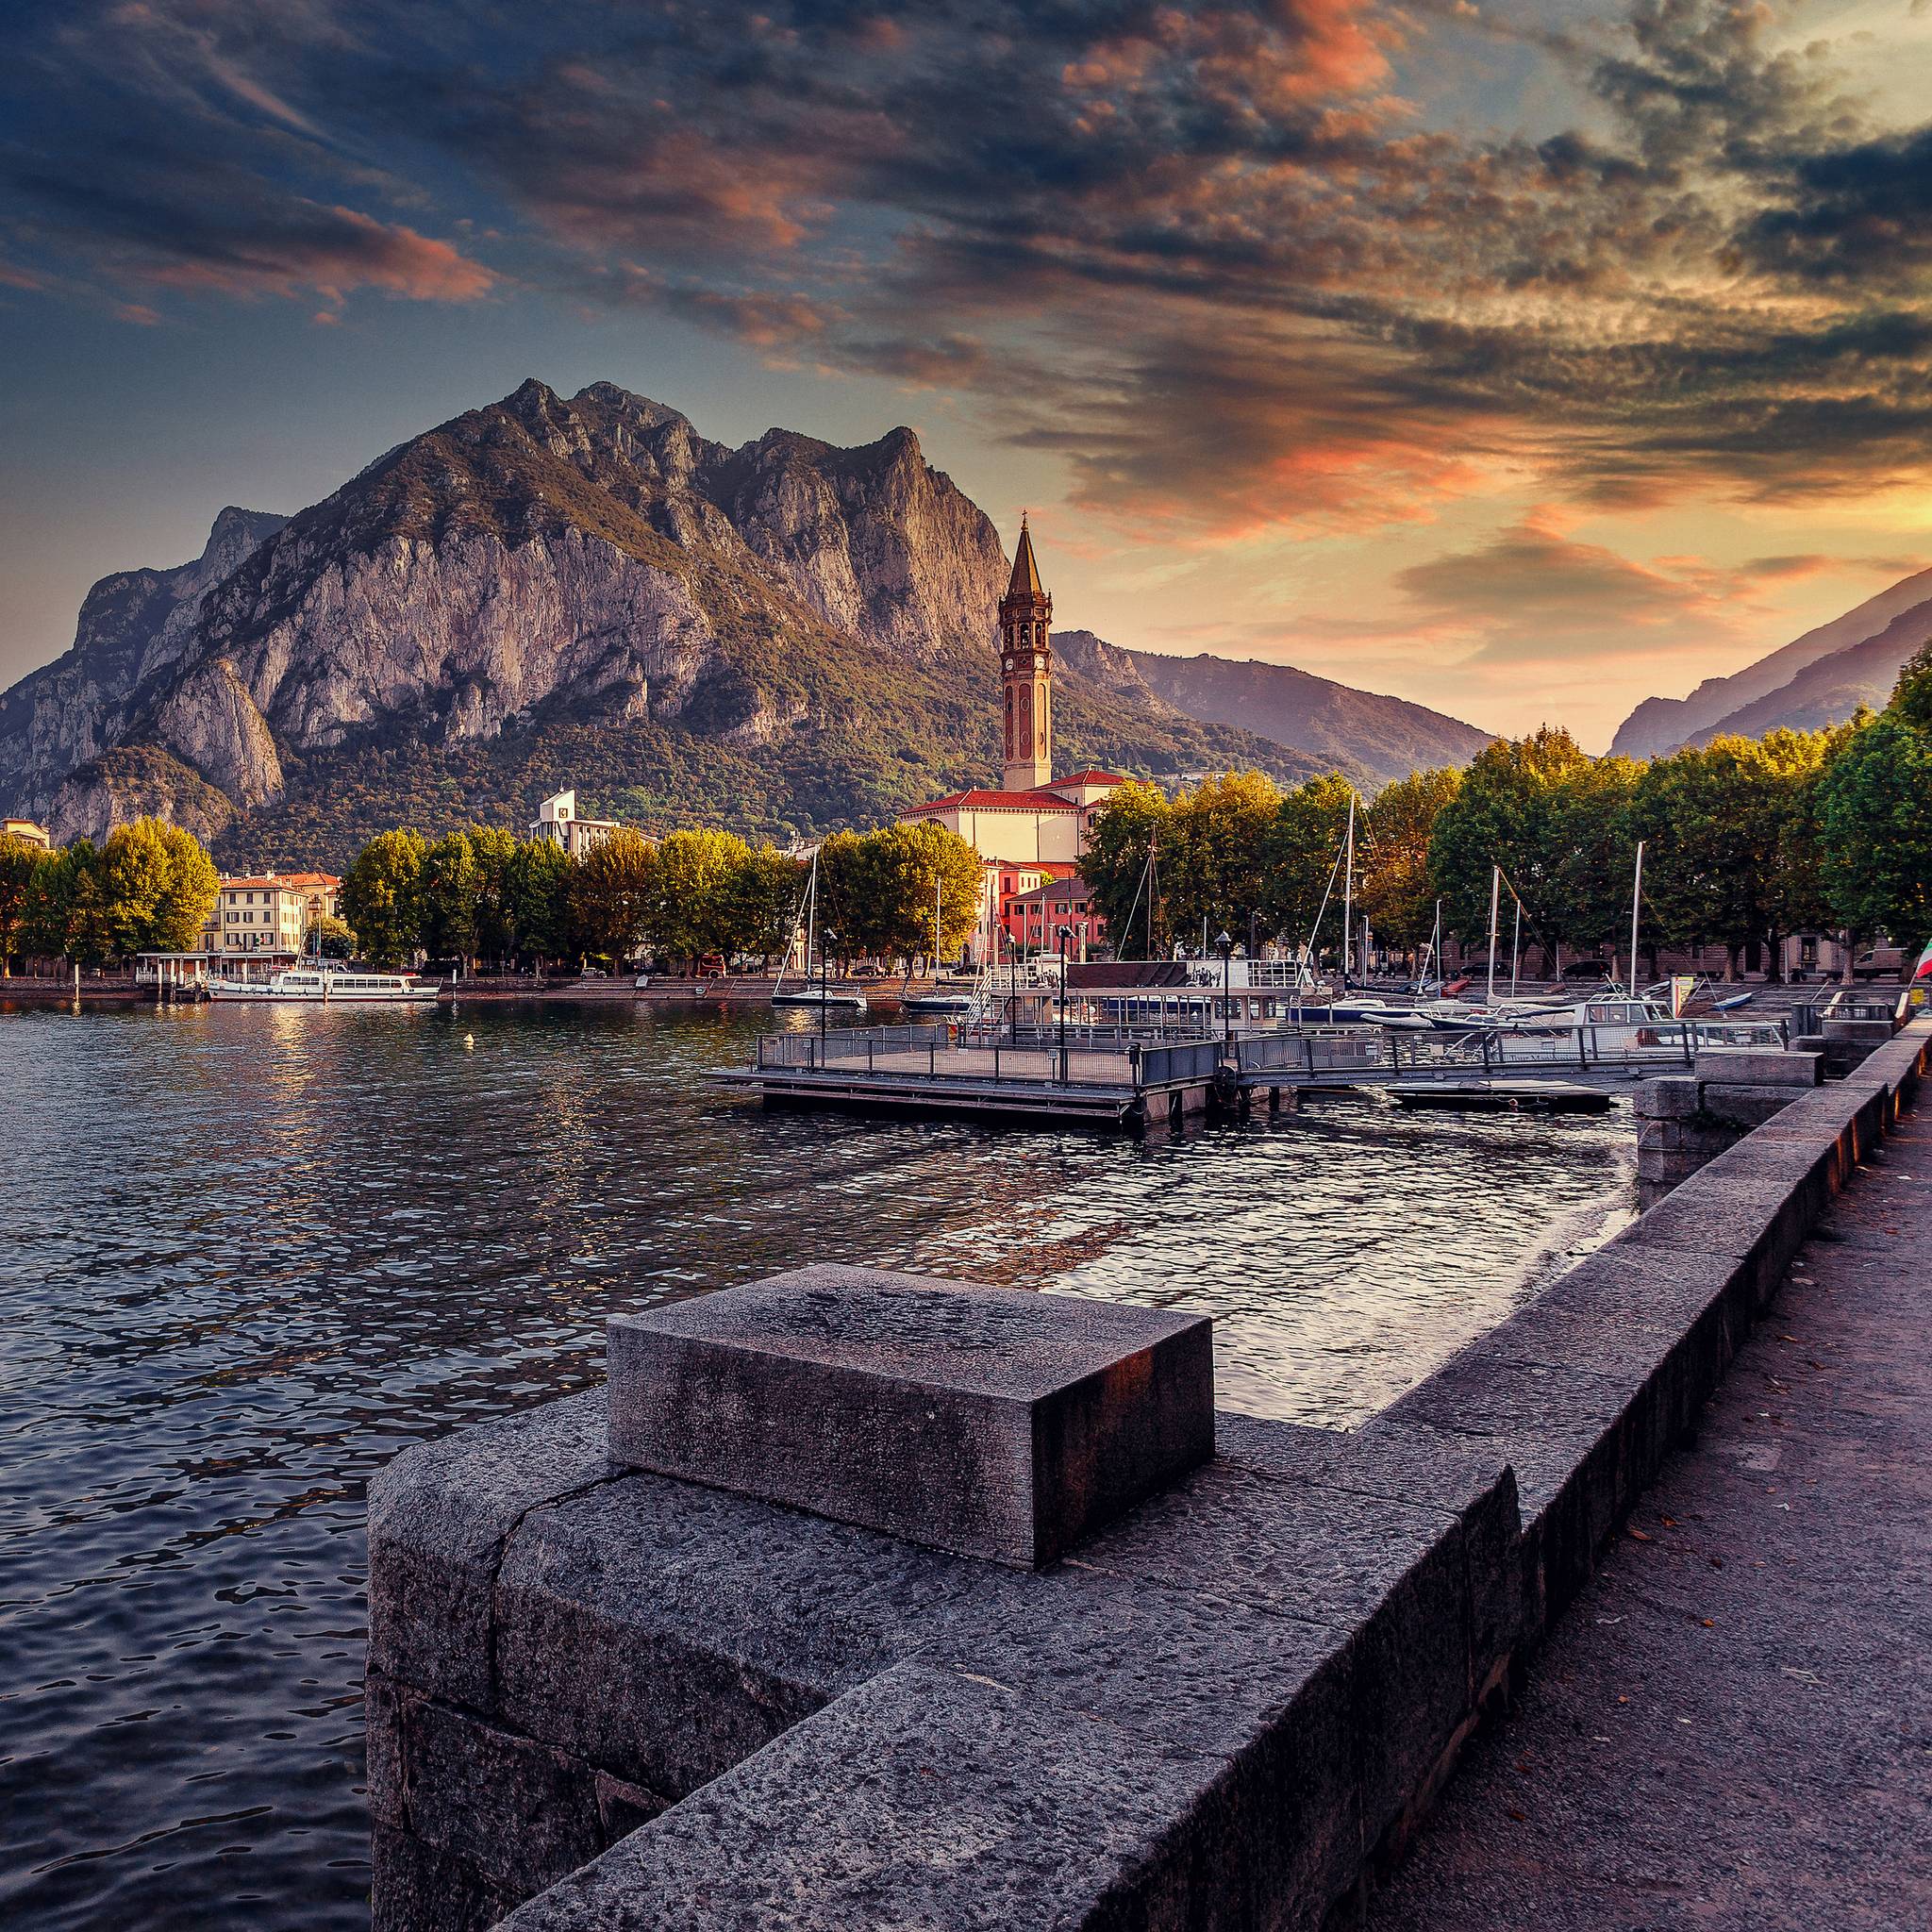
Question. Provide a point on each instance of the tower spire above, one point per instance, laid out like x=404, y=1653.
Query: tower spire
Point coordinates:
x=1026, y=671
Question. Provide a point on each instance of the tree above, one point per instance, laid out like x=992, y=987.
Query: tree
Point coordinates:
x=1395, y=892
x=382, y=896
x=1874, y=816
x=20, y=867
x=692, y=907
x=329, y=937
x=158, y=887
x=1219, y=853
x=536, y=902
x=1727, y=827
x=612, y=896
x=1590, y=866
x=1310, y=831
x=450, y=887
x=761, y=897
x=1501, y=815
x=67, y=907
x=495, y=851
x=1132, y=821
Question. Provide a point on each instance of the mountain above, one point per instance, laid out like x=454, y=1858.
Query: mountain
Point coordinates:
x=1819, y=679
x=544, y=591
x=1373, y=738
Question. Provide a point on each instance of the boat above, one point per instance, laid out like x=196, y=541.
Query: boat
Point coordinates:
x=822, y=996
x=328, y=986
x=944, y=1006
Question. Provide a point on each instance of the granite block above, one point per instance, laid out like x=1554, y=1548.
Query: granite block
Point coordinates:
x=1393, y=1572
x=438, y=1518
x=665, y=1631
x=926, y=1798
x=1273, y=1697
x=989, y=1422
x=1746, y=1106
x=520, y=1813
x=1754, y=1066
x=420, y=1888
x=1562, y=1430
x=1400, y=1463
x=1669, y=1097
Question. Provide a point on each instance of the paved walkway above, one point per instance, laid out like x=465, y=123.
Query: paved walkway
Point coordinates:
x=1732, y=1727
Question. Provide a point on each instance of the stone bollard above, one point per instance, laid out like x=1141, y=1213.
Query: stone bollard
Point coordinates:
x=1684, y=1121
x=861, y=1599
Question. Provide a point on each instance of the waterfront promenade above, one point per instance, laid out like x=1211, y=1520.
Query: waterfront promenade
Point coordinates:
x=1732, y=1725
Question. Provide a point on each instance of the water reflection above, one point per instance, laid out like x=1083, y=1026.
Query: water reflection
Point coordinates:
x=249, y=1254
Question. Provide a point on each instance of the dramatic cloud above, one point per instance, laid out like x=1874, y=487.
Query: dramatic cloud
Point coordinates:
x=1243, y=267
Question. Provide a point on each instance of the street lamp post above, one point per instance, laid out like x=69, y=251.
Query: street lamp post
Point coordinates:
x=1225, y=945
x=825, y=938
x=1066, y=933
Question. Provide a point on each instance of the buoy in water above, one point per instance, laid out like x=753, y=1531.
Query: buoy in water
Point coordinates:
x=469, y=1040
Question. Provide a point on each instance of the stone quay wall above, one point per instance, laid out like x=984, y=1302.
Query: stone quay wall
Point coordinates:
x=600, y=1697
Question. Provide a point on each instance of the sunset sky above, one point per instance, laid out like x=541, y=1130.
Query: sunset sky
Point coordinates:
x=1523, y=359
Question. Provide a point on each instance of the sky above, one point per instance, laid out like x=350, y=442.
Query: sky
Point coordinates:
x=1521, y=360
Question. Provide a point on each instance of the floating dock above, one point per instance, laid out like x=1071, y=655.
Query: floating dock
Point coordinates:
x=1500, y=1096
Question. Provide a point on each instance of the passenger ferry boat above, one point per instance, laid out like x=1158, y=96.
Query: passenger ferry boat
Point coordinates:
x=328, y=985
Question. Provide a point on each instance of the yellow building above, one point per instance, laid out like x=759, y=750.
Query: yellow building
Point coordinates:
x=27, y=832
x=263, y=918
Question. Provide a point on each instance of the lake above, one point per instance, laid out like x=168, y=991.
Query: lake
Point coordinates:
x=248, y=1256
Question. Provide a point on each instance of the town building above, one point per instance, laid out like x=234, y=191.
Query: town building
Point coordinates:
x=557, y=821
x=27, y=832
x=1031, y=920
x=263, y=918
x=1033, y=822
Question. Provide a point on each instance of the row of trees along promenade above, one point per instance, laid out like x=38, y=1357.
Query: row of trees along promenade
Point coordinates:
x=485, y=894
x=1746, y=841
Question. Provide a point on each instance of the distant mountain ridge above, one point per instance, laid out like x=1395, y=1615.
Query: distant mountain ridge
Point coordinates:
x=1817, y=680
x=1358, y=732
x=782, y=637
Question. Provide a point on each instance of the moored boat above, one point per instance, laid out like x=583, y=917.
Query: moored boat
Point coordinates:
x=328, y=986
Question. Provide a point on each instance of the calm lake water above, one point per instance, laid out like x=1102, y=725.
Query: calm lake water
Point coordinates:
x=246, y=1256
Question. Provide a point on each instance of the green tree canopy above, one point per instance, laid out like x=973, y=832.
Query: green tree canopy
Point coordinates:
x=1299, y=854
x=1502, y=815
x=1874, y=816
x=20, y=870
x=451, y=895
x=1132, y=821
x=613, y=897
x=1395, y=892
x=535, y=903
x=382, y=898
x=331, y=937
x=693, y=906
x=763, y=901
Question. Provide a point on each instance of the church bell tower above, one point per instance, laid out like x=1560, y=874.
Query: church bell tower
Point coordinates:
x=1027, y=673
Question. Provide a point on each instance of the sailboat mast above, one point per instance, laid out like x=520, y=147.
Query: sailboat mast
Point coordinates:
x=1515, y=947
x=1349, y=894
x=1636, y=901
x=1496, y=894
x=811, y=909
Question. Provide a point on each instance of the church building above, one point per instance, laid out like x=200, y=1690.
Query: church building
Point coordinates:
x=1031, y=830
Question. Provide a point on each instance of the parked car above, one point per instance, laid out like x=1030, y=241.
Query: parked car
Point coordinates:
x=1879, y=962
x=1596, y=971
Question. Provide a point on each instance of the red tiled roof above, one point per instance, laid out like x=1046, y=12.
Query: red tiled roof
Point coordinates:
x=1076, y=894
x=1041, y=800
x=293, y=881
x=1087, y=778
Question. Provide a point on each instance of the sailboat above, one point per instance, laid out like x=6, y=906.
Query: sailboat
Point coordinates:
x=821, y=995
x=944, y=1003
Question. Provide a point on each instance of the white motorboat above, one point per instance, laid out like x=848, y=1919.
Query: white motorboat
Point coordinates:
x=835, y=998
x=327, y=986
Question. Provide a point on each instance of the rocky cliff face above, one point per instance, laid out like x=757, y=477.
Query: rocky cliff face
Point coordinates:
x=134, y=626
x=543, y=569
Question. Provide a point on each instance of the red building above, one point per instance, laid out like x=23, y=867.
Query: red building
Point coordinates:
x=1032, y=915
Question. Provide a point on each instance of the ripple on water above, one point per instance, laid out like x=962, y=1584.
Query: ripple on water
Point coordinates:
x=249, y=1255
